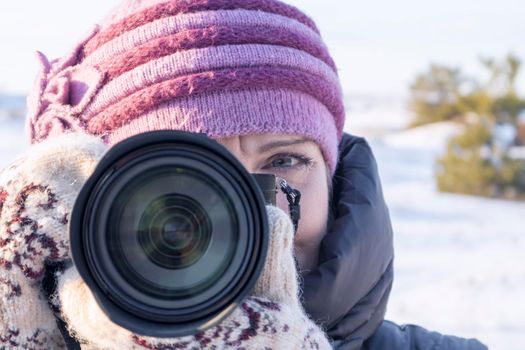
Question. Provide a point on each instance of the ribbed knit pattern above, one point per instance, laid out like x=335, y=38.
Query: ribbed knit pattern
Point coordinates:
x=173, y=8
x=206, y=37
x=158, y=58
x=229, y=79
x=199, y=60
x=199, y=20
x=252, y=110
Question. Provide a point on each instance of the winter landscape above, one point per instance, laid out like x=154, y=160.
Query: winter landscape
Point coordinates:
x=459, y=259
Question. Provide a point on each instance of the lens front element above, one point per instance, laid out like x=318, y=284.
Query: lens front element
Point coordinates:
x=174, y=231
x=169, y=233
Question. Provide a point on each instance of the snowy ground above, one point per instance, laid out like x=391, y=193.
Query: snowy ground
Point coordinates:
x=460, y=267
x=459, y=260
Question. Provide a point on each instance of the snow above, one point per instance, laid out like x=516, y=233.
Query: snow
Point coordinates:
x=504, y=135
x=521, y=116
x=459, y=265
x=517, y=152
x=459, y=259
x=12, y=139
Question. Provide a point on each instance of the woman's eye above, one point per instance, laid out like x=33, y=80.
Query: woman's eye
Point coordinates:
x=290, y=161
x=284, y=162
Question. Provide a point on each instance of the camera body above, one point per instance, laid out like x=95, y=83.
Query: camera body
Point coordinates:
x=170, y=232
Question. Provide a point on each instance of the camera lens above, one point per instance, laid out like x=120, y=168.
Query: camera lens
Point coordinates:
x=173, y=231
x=169, y=233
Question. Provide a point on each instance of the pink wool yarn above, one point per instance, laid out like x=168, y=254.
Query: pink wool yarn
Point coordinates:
x=221, y=67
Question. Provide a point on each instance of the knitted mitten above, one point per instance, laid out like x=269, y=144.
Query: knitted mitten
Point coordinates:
x=37, y=194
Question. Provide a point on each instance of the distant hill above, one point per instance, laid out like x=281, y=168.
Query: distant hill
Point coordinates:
x=12, y=107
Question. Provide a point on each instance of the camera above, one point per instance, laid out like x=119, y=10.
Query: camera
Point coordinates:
x=170, y=232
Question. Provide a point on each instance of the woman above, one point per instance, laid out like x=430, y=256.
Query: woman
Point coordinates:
x=256, y=76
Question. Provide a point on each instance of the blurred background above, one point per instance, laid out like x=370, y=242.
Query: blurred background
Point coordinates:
x=438, y=89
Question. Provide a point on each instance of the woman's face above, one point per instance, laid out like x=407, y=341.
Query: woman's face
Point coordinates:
x=300, y=162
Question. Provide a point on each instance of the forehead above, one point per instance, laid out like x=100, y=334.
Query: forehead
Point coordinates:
x=262, y=143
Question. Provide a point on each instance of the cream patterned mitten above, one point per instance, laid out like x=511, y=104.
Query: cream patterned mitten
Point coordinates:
x=37, y=193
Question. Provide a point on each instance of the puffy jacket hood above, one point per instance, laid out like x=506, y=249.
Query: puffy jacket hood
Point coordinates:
x=349, y=289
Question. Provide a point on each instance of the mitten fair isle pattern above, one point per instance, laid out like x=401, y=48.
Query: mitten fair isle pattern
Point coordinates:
x=36, y=193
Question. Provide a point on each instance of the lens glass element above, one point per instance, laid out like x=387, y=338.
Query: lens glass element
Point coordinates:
x=173, y=232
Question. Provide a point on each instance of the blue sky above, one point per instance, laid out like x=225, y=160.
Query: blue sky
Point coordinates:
x=378, y=46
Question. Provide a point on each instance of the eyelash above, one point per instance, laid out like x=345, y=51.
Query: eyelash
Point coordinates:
x=303, y=161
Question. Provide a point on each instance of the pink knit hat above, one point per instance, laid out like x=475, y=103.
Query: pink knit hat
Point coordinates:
x=222, y=67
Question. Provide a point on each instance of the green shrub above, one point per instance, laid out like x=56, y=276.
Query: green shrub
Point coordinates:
x=464, y=169
x=473, y=164
x=435, y=94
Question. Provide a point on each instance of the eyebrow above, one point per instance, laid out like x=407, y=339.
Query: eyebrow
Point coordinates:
x=276, y=144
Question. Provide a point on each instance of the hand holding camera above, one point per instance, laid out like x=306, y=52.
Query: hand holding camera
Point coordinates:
x=138, y=255
x=37, y=192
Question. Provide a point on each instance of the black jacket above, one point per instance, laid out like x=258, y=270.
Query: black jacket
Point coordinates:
x=348, y=291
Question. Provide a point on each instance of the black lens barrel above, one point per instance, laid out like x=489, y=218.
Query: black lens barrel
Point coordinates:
x=170, y=232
